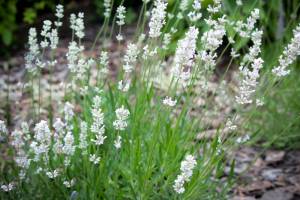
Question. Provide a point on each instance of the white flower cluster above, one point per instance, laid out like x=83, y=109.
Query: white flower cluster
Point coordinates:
x=195, y=14
x=118, y=142
x=119, y=37
x=124, y=85
x=69, y=183
x=186, y=168
x=157, y=19
x=169, y=102
x=69, y=147
x=255, y=50
x=122, y=115
x=40, y=146
x=18, y=141
x=52, y=174
x=3, y=128
x=289, y=55
x=8, y=187
x=104, y=62
x=98, y=127
x=121, y=11
x=46, y=33
x=53, y=38
x=65, y=143
x=244, y=29
x=50, y=36
x=230, y=125
x=212, y=38
x=33, y=50
x=83, y=143
x=184, y=55
x=130, y=57
x=107, y=8
x=59, y=12
x=250, y=76
x=260, y=102
x=73, y=57
x=249, y=82
x=120, y=124
x=58, y=136
x=104, y=58
x=77, y=24
x=239, y=2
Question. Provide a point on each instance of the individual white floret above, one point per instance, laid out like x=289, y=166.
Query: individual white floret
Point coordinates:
x=94, y=159
x=52, y=174
x=124, y=85
x=118, y=142
x=169, y=102
x=122, y=113
x=69, y=183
